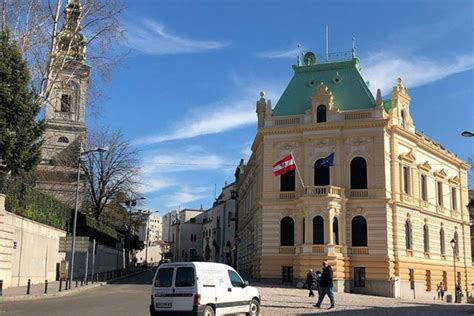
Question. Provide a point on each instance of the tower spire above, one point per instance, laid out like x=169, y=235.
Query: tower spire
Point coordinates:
x=71, y=43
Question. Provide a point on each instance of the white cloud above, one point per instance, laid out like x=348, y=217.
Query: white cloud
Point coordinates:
x=150, y=37
x=154, y=184
x=181, y=198
x=208, y=121
x=182, y=161
x=292, y=53
x=383, y=70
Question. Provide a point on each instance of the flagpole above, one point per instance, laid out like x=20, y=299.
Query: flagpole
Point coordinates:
x=297, y=170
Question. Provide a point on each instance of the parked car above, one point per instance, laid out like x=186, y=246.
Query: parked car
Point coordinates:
x=201, y=288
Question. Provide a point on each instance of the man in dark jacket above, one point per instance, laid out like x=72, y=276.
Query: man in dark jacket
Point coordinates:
x=310, y=281
x=326, y=286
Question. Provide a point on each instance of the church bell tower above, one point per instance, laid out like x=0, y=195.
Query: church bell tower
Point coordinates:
x=67, y=90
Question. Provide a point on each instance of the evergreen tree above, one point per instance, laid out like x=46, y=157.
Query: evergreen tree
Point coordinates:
x=20, y=132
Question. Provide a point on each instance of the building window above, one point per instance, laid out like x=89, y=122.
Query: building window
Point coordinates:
x=441, y=241
x=403, y=122
x=321, y=174
x=453, y=199
x=445, y=280
x=358, y=173
x=359, y=277
x=63, y=139
x=287, y=181
x=426, y=239
x=456, y=248
x=335, y=231
x=321, y=114
x=408, y=236
x=66, y=102
x=424, y=195
x=287, y=232
x=318, y=230
x=428, y=280
x=439, y=186
x=406, y=180
x=303, y=239
x=359, y=232
x=412, y=279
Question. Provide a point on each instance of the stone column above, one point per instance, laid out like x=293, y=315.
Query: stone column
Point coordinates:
x=6, y=245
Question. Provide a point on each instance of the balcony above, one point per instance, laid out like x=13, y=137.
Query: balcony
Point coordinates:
x=317, y=249
x=323, y=191
x=359, y=250
x=287, y=250
x=291, y=195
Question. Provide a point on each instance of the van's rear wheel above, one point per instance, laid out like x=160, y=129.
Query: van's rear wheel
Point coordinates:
x=208, y=311
x=254, y=308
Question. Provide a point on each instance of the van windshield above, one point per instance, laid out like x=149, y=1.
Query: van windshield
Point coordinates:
x=164, y=277
x=184, y=277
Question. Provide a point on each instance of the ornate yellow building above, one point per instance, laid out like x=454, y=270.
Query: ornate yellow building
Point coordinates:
x=383, y=215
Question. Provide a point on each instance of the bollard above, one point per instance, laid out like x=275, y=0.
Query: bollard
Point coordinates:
x=67, y=284
x=28, y=287
x=45, y=286
x=76, y=282
x=1, y=287
x=82, y=282
x=60, y=284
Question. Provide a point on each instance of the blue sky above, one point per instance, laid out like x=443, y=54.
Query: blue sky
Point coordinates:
x=186, y=94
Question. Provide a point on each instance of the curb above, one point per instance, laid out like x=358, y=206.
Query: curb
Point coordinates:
x=70, y=292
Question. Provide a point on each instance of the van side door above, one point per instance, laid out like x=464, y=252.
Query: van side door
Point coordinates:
x=238, y=295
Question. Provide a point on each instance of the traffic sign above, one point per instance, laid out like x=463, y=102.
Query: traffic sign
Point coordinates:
x=65, y=244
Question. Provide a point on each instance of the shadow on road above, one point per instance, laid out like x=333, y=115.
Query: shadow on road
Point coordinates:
x=144, y=278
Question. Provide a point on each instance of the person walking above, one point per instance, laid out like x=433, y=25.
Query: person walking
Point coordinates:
x=440, y=290
x=318, y=283
x=326, y=286
x=311, y=282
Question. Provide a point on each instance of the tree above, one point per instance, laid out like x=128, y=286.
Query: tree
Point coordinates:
x=110, y=174
x=35, y=27
x=19, y=131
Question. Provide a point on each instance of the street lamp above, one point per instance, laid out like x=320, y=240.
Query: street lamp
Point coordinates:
x=467, y=134
x=453, y=245
x=76, y=205
x=129, y=204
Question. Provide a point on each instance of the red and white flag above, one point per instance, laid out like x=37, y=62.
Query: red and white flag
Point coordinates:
x=284, y=165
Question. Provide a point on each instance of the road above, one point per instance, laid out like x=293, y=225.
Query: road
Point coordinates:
x=130, y=296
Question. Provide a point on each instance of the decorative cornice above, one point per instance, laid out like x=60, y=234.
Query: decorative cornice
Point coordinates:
x=440, y=173
x=425, y=166
x=408, y=157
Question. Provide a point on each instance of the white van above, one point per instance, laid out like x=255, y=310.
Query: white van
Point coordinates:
x=201, y=288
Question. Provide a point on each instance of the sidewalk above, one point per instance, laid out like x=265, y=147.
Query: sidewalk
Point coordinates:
x=37, y=290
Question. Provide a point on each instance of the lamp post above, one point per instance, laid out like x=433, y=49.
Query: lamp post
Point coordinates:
x=76, y=205
x=467, y=134
x=453, y=245
x=130, y=204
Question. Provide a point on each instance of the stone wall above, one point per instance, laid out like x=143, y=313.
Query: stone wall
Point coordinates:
x=29, y=249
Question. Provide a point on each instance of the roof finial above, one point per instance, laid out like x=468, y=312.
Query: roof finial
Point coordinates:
x=354, y=47
x=327, y=42
x=298, y=57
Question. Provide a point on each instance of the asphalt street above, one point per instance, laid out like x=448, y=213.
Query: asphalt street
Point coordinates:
x=130, y=296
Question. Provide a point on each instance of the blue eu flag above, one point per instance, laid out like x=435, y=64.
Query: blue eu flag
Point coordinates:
x=326, y=162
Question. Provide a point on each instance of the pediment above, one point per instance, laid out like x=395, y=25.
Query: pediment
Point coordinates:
x=425, y=166
x=322, y=95
x=409, y=156
x=454, y=180
x=440, y=173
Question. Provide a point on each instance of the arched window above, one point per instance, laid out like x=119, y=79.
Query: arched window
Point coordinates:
x=63, y=139
x=359, y=232
x=335, y=231
x=456, y=248
x=287, y=232
x=287, y=181
x=403, y=122
x=318, y=230
x=426, y=238
x=321, y=174
x=408, y=235
x=441, y=241
x=358, y=173
x=66, y=102
x=321, y=114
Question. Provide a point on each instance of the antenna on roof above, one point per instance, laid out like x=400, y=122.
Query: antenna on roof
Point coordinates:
x=298, y=57
x=353, y=47
x=327, y=42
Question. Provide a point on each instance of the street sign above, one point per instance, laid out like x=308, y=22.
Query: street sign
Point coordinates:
x=65, y=244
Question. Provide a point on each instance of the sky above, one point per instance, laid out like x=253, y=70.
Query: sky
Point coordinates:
x=185, y=95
